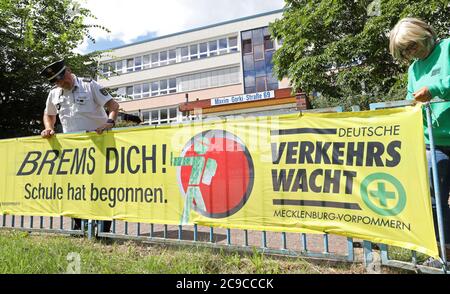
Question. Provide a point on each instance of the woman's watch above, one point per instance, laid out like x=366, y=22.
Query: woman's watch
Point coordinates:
x=111, y=121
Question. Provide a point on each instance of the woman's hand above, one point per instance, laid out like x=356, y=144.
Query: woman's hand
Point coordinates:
x=423, y=95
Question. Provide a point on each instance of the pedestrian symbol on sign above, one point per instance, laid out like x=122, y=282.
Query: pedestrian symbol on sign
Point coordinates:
x=197, y=176
x=215, y=174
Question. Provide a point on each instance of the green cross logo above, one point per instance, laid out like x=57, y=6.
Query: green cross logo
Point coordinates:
x=377, y=200
x=382, y=194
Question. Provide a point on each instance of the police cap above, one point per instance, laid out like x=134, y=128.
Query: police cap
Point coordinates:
x=54, y=71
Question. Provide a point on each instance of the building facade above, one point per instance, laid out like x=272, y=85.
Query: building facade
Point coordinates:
x=152, y=79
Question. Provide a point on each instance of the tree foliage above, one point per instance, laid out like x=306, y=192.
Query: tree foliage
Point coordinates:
x=340, y=48
x=34, y=33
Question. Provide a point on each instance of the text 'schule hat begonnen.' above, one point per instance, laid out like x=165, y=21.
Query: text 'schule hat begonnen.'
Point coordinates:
x=54, y=71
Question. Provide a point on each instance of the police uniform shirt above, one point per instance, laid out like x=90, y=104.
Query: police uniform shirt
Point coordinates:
x=79, y=109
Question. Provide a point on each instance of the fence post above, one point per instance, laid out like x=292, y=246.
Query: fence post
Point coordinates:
x=211, y=235
x=350, y=251
x=283, y=241
x=180, y=232
x=326, y=248
x=264, y=240
x=356, y=108
x=368, y=256
x=437, y=192
x=384, y=251
x=195, y=232
x=90, y=225
x=304, y=242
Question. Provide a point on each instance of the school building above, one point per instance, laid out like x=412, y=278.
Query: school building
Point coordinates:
x=222, y=69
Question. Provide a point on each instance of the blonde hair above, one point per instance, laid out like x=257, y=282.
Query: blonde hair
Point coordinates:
x=407, y=32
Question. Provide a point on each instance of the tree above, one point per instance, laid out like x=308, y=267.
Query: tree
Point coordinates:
x=34, y=33
x=340, y=48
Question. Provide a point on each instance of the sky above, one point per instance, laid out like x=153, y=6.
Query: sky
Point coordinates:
x=136, y=20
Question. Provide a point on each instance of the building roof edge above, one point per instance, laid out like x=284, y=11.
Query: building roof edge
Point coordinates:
x=199, y=28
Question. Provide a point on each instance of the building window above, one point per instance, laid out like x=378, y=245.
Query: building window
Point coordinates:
x=146, y=61
x=250, y=89
x=162, y=116
x=155, y=88
x=137, y=63
x=172, y=56
x=130, y=65
x=145, y=116
x=249, y=78
x=184, y=51
x=217, y=78
x=137, y=91
x=249, y=63
x=152, y=89
x=232, y=43
x=155, y=59
x=212, y=48
x=163, y=87
x=268, y=42
x=247, y=35
x=260, y=68
x=257, y=55
x=154, y=117
x=163, y=58
x=223, y=46
x=258, y=52
x=172, y=85
x=203, y=50
x=173, y=114
x=130, y=91
x=257, y=37
x=260, y=84
x=268, y=55
x=119, y=66
x=181, y=54
x=145, y=90
x=119, y=93
x=194, y=51
x=105, y=69
x=247, y=46
x=111, y=68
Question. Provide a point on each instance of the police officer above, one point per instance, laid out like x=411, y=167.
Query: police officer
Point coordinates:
x=80, y=104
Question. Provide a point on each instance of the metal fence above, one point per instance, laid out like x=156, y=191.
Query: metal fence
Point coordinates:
x=318, y=246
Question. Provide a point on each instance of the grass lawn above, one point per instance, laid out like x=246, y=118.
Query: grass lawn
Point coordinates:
x=24, y=253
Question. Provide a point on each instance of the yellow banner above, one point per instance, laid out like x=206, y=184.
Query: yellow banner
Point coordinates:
x=359, y=174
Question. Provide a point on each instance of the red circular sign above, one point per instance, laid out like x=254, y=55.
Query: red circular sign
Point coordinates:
x=226, y=181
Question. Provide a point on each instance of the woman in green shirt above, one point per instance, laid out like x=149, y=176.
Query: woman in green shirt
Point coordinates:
x=413, y=40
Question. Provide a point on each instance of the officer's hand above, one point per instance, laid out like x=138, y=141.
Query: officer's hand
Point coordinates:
x=105, y=127
x=423, y=95
x=47, y=133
